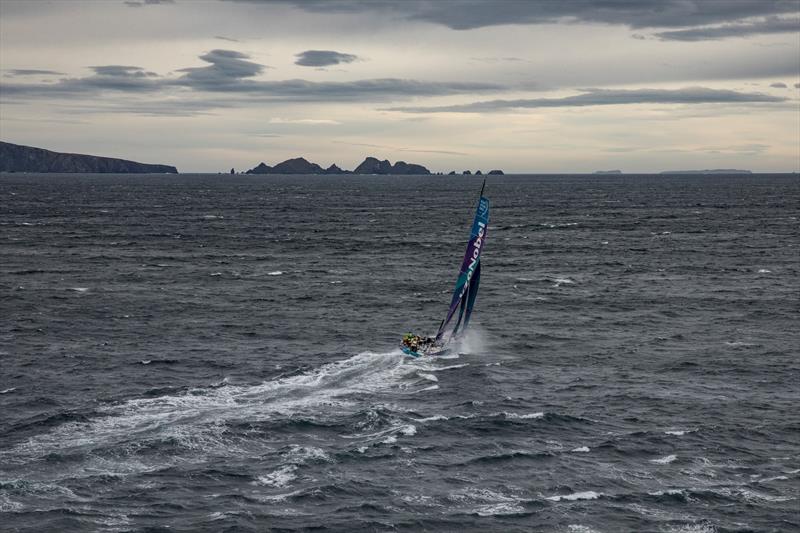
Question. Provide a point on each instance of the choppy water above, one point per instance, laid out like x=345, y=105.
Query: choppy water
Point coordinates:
x=215, y=353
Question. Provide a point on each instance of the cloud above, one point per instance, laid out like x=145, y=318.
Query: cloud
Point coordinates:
x=707, y=33
x=602, y=97
x=142, y=3
x=471, y=14
x=227, y=82
x=120, y=78
x=34, y=72
x=229, y=39
x=123, y=71
x=314, y=121
x=227, y=68
x=778, y=85
x=797, y=85
x=323, y=58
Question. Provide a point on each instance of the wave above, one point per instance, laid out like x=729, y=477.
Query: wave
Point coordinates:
x=664, y=460
x=586, y=495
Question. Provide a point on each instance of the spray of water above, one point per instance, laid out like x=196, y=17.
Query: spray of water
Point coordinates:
x=473, y=342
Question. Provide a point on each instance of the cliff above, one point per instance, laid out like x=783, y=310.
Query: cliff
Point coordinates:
x=18, y=158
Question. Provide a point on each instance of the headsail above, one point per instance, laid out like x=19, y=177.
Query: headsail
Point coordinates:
x=468, y=278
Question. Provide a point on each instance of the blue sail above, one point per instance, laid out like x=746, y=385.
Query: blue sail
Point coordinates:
x=469, y=274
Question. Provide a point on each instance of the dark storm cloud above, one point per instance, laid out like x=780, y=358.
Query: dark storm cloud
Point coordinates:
x=470, y=14
x=778, y=85
x=323, y=58
x=33, y=72
x=602, y=97
x=708, y=33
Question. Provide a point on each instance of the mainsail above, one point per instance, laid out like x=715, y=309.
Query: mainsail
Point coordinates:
x=469, y=277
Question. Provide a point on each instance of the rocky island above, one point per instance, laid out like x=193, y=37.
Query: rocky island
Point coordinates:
x=371, y=165
x=708, y=171
x=19, y=158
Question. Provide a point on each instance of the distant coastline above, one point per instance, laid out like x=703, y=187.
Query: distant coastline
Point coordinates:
x=708, y=171
x=20, y=158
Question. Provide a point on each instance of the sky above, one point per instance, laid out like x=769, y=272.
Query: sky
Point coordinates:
x=524, y=86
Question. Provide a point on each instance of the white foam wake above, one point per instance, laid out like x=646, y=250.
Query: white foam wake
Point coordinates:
x=196, y=419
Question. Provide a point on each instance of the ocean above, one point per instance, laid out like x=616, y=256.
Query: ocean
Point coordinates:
x=206, y=353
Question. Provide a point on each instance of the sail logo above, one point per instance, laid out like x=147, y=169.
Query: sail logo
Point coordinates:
x=483, y=207
x=476, y=254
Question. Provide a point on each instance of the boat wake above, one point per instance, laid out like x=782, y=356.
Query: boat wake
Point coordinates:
x=207, y=419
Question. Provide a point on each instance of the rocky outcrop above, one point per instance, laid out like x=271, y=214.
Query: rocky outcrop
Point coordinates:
x=19, y=158
x=298, y=165
x=495, y=172
x=371, y=165
x=262, y=168
x=401, y=167
x=334, y=169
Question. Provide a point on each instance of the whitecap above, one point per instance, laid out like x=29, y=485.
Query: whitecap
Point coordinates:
x=582, y=449
x=668, y=492
x=391, y=439
x=145, y=361
x=275, y=273
x=432, y=387
x=679, y=432
x=409, y=430
x=215, y=274
x=499, y=509
x=278, y=478
x=451, y=367
x=578, y=528
x=6, y=391
x=586, y=495
x=429, y=377
x=303, y=454
x=664, y=460
x=431, y=418
x=764, y=271
x=79, y=289
x=519, y=416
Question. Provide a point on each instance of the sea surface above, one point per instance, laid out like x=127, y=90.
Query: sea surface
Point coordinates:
x=204, y=353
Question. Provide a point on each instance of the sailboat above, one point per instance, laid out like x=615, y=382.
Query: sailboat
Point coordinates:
x=464, y=295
